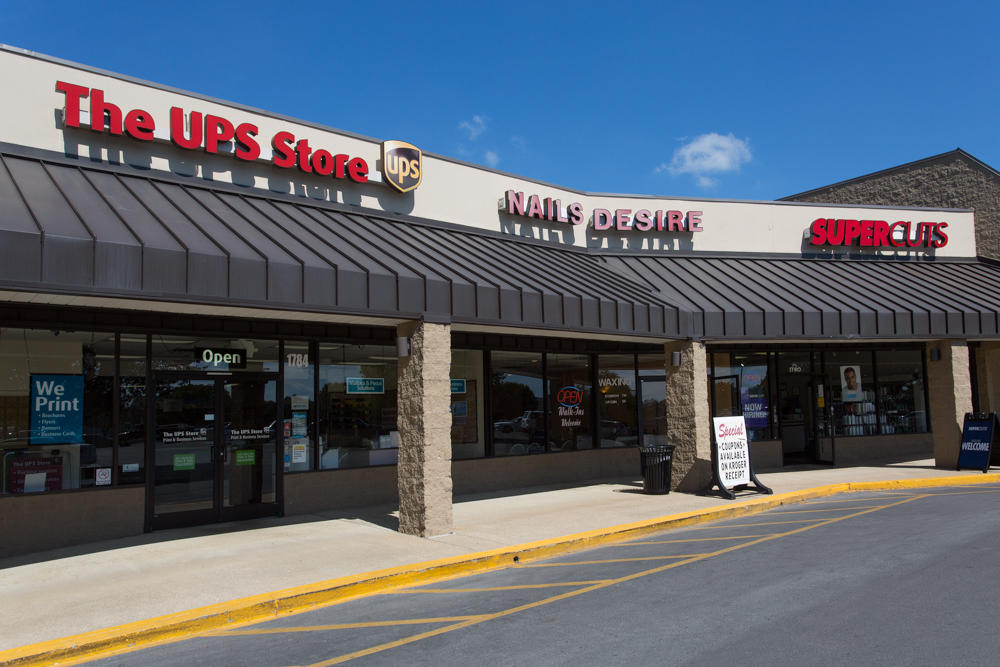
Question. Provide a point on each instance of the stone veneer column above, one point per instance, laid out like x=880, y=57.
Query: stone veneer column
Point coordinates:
x=424, y=421
x=988, y=374
x=689, y=416
x=949, y=390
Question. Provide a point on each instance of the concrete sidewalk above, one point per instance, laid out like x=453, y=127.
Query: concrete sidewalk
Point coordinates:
x=74, y=590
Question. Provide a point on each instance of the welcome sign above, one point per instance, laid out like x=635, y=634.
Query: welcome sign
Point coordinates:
x=978, y=434
x=56, y=409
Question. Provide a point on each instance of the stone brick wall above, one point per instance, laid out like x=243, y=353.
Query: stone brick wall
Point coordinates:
x=950, y=389
x=689, y=416
x=424, y=422
x=952, y=180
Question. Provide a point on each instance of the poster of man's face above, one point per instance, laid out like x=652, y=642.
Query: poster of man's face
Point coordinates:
x=850, y=383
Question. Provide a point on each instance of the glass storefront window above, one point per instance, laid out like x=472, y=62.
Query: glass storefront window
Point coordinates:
x=617, y=400
x=132, y=410
x=901, y=396
x=236, y=355
x=653, y=389
x=517, y=403
x=56, y=410
x=725, y=385
x=569, y=386
x=850, y=378
x=755, y=400
x=357, y=405
x=822, y=393
x=467, y=432
x=299, y=413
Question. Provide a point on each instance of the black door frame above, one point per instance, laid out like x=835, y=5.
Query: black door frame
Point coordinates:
x=219, y=512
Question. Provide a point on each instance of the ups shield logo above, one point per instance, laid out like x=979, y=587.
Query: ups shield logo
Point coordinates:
x=401, y=165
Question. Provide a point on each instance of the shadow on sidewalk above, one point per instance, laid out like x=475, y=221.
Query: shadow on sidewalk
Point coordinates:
x=383, y=516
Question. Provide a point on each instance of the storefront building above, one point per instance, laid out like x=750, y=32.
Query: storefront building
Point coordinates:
x=210, y=312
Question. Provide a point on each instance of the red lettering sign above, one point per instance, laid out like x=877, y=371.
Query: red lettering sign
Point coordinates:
x=726, y=431
x=569, y=396
x=194, y=130
x=877, y=233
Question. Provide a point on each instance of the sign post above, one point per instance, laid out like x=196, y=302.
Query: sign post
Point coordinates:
x=978, y=433
x=731, y=470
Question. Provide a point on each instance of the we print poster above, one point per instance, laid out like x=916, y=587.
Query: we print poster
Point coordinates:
x=56, y=409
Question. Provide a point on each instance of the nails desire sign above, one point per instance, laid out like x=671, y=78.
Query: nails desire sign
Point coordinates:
x=193, y=130
x=622, y=219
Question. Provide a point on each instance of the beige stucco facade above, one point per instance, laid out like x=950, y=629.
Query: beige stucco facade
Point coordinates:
x=450, y=190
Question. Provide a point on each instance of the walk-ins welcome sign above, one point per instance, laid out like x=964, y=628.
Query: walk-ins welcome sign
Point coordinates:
x=978, y=433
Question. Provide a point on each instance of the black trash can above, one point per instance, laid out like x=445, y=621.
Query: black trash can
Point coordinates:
x=656, y=461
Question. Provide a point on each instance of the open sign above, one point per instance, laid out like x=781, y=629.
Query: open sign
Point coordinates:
x=569, y=397
x=221, y=358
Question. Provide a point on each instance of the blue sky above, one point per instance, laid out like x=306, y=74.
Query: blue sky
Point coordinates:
x=726, y=99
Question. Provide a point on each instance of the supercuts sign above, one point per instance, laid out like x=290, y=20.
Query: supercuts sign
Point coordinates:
x=622, y=219
x=193, y=130
x=877, y=233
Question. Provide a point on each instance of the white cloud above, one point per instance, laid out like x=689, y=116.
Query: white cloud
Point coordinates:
x=519, y=142
x=706, y=154
x=492, y=158
x=473, y=128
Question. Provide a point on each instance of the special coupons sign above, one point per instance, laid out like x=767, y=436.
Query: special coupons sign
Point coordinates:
x=733, y=459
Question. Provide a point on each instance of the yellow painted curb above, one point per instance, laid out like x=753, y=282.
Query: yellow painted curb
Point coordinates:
x=266, y=606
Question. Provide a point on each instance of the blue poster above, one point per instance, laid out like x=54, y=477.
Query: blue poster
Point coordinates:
x=458, y=386
x=753, y=397
x=365, y=385
x=56, y=409
x=977, y=441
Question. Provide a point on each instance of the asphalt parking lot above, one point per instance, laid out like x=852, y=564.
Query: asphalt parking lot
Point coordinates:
x=868, y=578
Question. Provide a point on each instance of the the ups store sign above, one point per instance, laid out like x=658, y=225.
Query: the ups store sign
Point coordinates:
x=401, y=165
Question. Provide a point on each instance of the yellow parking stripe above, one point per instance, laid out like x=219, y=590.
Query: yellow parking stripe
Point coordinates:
x=609, y=560
x=580, y=591
x=341, y=626
x=690, y=539
x=964, y=493
x=750, y=525
x=409, y=591
x=883, y=496
x=831, y=509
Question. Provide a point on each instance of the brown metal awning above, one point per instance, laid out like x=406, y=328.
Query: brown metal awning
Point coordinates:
x=70, y=226
x=794, y=298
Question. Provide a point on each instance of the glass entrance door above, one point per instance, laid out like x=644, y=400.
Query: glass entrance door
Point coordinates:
x=214, y=449
x=824, y=421
x=806, y=435
x=248, y=470
x=796, y=405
